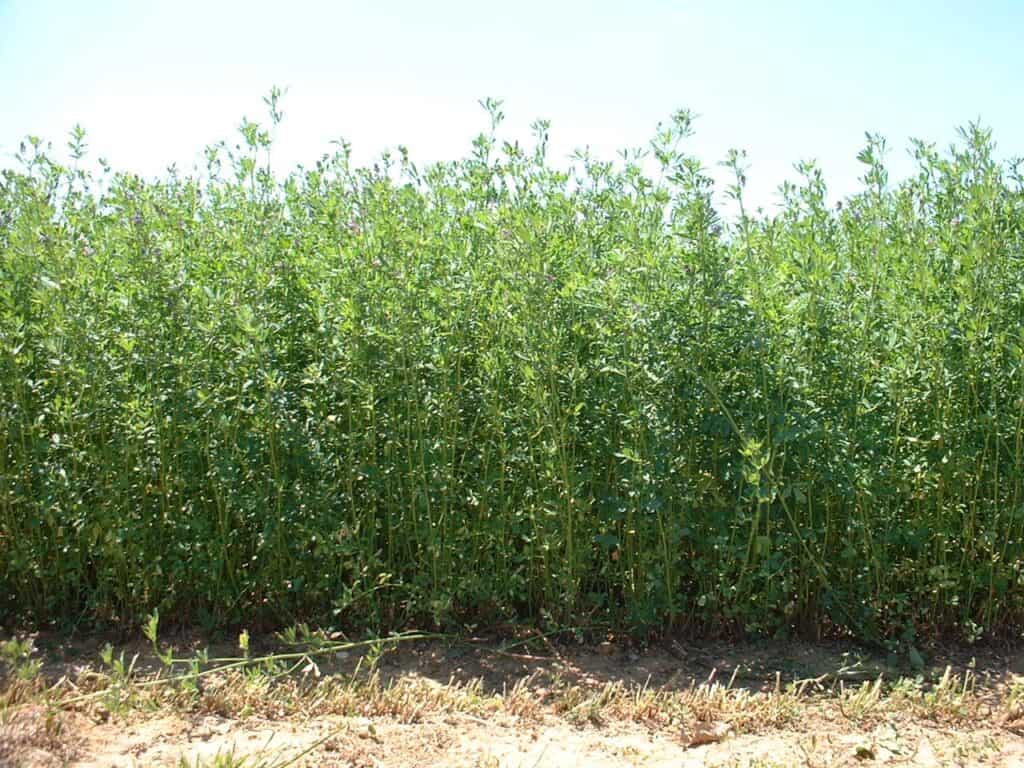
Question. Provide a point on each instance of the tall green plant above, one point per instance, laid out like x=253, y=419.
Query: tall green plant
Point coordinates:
x=495, y=389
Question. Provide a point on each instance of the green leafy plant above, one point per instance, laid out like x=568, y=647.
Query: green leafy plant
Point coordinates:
x=16, y=654
x=500, y=390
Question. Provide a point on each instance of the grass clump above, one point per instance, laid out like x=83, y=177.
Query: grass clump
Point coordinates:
x=495, y=389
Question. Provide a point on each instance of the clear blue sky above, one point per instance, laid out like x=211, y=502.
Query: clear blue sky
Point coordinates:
x=154, y=82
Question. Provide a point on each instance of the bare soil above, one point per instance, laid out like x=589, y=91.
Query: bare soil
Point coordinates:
x=478, y=705
x=470, y=742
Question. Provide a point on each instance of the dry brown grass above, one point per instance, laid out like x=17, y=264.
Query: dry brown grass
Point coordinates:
x=39, y=716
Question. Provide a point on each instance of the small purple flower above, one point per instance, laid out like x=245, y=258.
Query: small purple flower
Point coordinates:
x=137, y=219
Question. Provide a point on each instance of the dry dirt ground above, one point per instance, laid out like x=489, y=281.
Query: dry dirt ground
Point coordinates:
x=492, y=705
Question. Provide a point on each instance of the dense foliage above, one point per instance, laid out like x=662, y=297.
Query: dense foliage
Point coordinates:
x=495, y=390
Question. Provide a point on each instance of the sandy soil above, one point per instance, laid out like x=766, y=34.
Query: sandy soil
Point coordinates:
x=463, y=741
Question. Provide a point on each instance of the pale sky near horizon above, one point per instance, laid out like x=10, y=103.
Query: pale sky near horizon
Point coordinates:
x=154, y=82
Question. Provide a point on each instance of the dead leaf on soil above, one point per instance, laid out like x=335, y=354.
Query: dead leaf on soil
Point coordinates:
x=708, y=733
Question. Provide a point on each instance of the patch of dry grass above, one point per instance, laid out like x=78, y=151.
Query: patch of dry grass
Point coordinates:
x=35, y=711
